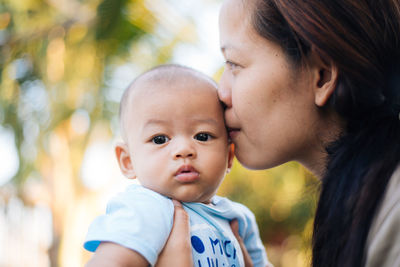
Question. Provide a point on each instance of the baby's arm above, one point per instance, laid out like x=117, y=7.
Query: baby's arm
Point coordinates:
x=129, y=226
x=111, y=254
x=251, y=238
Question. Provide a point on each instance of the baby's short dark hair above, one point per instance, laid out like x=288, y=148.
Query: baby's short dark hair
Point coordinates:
x=166, y=73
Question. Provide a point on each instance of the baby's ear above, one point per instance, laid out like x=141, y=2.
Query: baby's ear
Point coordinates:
x=124, y=160
x=231, y=156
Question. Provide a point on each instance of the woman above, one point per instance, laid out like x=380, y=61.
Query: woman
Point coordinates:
x=318, y=82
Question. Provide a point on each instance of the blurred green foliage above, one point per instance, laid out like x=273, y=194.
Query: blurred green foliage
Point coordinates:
x=283, y=201
x=57, y=58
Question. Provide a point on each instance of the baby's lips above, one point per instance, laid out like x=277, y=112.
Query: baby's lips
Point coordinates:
x=186, y=169
x=187, y=174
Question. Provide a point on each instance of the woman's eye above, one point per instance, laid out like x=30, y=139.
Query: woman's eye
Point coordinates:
x=231, y=64
x=160, y=139
x=203, y=137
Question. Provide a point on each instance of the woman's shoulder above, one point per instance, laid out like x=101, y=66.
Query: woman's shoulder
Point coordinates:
x=391, y=200
x=383, y=245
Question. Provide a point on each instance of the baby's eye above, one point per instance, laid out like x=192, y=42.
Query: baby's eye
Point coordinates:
x=203, y=137
x=160, y=139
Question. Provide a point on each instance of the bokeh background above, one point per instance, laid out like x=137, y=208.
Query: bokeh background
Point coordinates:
x=63, y=67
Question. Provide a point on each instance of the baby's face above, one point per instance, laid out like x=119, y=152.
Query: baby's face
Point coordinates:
x=177, y=139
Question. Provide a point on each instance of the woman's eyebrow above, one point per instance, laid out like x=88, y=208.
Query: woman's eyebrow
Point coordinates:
x=226, y=47
x=231, y=49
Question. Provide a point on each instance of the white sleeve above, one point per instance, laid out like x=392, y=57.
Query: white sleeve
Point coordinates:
x=140, y=220
x=383, y=243
x=384, y=246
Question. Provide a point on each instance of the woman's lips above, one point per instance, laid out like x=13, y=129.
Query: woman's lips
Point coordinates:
x=233, y=132
x=186, y=174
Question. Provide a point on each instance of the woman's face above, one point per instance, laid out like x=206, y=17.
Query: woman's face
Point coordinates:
x=270, y=105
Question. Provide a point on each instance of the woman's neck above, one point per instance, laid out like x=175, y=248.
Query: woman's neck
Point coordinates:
x=316, y=158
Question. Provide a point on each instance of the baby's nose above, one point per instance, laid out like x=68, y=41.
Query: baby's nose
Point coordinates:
x=184, y=149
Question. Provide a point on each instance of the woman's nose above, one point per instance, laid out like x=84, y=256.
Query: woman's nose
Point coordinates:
x=225, y=91
x=184, y=149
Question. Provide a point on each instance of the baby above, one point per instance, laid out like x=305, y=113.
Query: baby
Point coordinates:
x=175, y=143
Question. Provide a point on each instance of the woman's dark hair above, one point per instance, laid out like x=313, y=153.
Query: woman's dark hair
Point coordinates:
x=362, y=39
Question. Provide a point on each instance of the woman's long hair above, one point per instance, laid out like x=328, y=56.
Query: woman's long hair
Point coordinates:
x=362, y=39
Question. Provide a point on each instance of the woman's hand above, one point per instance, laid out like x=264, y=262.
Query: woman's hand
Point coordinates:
x=177, y=251
x=246, y=256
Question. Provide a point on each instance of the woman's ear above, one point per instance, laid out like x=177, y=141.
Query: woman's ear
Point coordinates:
x=124, y=160
x=325, y=75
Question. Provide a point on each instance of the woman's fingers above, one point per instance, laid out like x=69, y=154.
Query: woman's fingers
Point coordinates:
x=246, y=256
x=177, y=251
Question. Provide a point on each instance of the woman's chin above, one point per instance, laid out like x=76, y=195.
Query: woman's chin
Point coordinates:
x=250, y=162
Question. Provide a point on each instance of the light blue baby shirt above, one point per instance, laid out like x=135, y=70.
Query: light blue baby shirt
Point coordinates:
x=141, y=219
